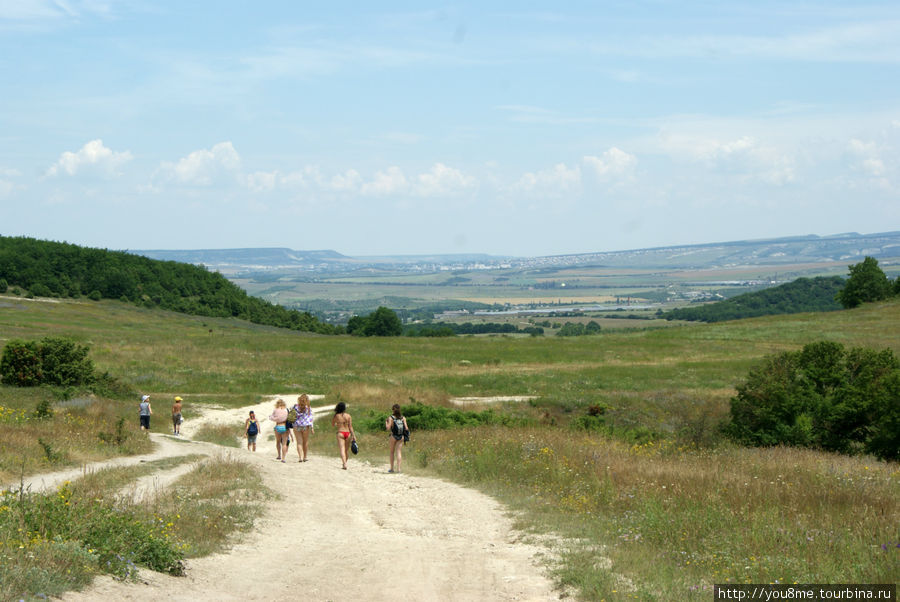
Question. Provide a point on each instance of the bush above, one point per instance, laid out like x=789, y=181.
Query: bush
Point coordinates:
x=40, y=290
x=20, y=364
x=51, y=361
x=822, y=396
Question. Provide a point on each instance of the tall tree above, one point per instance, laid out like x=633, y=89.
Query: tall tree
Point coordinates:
x=867, y=283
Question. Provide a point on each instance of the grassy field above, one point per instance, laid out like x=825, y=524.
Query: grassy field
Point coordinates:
x=654, y=506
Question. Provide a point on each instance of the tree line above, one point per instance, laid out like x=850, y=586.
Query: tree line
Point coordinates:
x=801, y=295
x=53, y=269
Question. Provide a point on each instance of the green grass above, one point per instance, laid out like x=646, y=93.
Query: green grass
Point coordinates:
x=648, y=512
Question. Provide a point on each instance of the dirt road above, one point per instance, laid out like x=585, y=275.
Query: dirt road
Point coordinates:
x=359, y=534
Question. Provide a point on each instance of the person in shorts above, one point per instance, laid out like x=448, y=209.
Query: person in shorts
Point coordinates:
x=176, y=416
x=145, y=412
x=251, y=428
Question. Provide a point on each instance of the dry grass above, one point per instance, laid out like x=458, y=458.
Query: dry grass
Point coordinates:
x=70, y=438
x=696, y=517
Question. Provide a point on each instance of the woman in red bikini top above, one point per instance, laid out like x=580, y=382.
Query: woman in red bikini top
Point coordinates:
x=345, y=434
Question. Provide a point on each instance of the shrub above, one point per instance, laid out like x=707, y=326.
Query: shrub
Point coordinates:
x=822, y=396
x=43, y=411
x=40, y=290
x=20, y=364
x=52, y=361
x=95, y=295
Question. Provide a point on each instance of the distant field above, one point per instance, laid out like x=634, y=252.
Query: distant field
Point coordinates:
x=544, y=285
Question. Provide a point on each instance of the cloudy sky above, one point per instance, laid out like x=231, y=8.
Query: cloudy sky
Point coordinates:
x=514, y=128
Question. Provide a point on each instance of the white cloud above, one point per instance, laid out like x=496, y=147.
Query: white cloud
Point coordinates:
x=52, y=11
x=442, y=180
x=868, y=158
x=349, y=181
x=204, y=167
x=554, y=182
x=391, y=181
x=6, y=184
x=744, y=156
x=614, y=164
x=262, y=181
x=308, y=178
x=873, y=41
x=93, y=157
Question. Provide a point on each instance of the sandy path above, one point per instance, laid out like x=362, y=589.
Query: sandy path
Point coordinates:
x=445, y=542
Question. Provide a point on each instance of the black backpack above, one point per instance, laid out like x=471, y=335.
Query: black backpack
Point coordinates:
x=398, y=426
x=253, y=429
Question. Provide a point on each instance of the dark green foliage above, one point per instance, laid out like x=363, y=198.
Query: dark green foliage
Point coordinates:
x=51, y=455
x=381, y=323
x=424, y=417
x=822, y=396
x=4, y=285
x=65, y=363
x=576, y=329
x=59, y=269
x=20, y=364
x=51, y=361
x=801, y=295
x=44, y=410
x=867, y=283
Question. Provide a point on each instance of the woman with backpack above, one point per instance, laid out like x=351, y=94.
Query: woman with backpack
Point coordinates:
x=303, y=425
x=251, y=428
x=396, y=425
x=279, y=417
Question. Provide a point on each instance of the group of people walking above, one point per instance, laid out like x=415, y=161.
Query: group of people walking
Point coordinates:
x=299, y=420
x=145, y=411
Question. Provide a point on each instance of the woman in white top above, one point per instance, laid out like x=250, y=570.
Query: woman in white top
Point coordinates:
x=303, y=425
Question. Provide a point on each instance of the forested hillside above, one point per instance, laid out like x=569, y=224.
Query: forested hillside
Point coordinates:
x=803, y=294
x=53, y=269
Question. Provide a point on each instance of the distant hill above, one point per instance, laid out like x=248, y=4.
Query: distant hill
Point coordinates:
x=53, y=269
x=801, y=295
x=839, y=248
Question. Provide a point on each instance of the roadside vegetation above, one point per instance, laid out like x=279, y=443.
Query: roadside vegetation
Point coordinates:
x=54, y=542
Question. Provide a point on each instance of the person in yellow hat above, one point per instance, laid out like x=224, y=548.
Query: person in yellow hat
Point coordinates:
x=176, y=416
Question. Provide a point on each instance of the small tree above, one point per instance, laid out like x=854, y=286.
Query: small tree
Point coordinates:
x=867, y=283
x=383, y=322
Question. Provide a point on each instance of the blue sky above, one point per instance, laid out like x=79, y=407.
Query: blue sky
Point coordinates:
x=514, y=128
